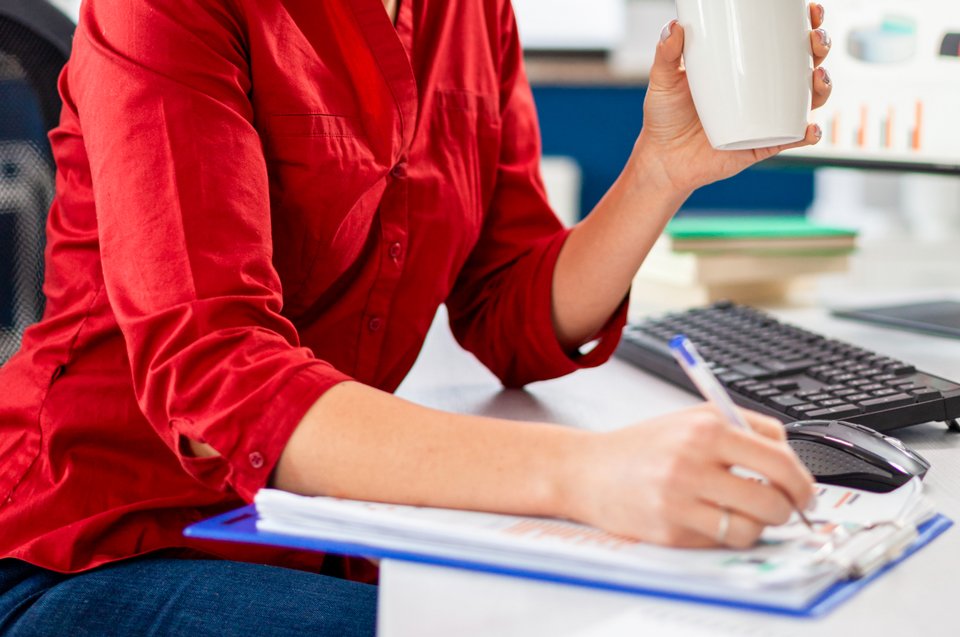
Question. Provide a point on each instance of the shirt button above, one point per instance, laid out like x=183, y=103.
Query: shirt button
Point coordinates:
x=375, y=324
x=400, y=170
x=395, y=250
x=256, y=460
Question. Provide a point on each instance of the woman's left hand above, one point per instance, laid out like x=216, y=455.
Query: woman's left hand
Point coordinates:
x=673, y=144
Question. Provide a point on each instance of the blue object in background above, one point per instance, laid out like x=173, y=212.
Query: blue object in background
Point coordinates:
x=598, y=125
x=20, y=122
x=21, y=119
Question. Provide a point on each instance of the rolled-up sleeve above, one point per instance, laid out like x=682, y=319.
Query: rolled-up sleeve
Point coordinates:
x=182, y=197
x=502, y=306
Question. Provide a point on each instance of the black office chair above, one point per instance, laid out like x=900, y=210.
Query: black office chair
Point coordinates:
x=35, y=40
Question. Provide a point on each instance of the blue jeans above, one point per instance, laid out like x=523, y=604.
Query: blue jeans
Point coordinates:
x=194, y=598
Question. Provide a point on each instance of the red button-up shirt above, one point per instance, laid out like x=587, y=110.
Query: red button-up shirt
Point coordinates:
x=257, y=200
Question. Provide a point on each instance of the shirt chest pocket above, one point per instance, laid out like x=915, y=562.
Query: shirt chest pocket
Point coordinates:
x=465, y=140
x=319, y=168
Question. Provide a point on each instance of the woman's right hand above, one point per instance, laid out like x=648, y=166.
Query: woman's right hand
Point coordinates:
x=668, y=480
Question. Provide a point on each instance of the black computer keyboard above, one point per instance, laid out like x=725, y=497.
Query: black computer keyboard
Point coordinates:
x=791, y=373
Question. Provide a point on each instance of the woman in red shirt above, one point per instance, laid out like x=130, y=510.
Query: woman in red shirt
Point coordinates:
x=260, y=206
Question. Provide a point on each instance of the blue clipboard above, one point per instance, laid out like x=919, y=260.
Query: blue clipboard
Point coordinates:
x=241, y=526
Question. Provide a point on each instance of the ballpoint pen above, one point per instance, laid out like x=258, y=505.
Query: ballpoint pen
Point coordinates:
x=698, y=371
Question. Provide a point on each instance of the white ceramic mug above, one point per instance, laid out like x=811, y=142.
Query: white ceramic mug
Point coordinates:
x=750, y=69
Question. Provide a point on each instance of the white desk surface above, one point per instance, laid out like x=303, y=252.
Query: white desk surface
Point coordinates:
x=917, y=598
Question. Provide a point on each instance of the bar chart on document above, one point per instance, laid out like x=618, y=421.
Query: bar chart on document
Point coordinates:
x=895, y=67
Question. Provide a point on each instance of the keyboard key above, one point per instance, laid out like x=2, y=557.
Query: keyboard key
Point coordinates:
x=830, y=389
x=785, y=402
x=767, y=393
x=818, y=397
x=906, y=388
x=784, y=385
x=900, y=369
x=859, y=382
x=903, y=382
x=753, y=371
x=840, y=393
x=801, y=411
x=856, y=398
x=885, y=392
x=730, y=377
x=900, y=383
x=843, y=378
x=872, y=387
x=886, y=402
x=783, y=368
x=926, y=393
x=834, y=413
x=826, y=375
x=833, y=402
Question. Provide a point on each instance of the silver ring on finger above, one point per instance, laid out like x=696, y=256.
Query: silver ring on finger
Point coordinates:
x=724, y=526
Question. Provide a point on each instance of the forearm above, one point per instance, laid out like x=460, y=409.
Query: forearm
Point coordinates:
x=360, y=443
x=665, y=481
x=604, y=251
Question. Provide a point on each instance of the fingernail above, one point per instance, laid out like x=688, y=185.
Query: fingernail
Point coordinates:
x=667, y=31
x=824, y=38
x=822, y=12
x=812, y=505
x=825, y=76
x=817, y=131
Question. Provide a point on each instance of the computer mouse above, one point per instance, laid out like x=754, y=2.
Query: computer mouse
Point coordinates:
x=851, y=455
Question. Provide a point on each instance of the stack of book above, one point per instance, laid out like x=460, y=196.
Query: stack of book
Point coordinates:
x=700, y=260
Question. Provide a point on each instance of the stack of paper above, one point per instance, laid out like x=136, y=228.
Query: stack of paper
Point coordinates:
x=787, y=569
x=700, y=260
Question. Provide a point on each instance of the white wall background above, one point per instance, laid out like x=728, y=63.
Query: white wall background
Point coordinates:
x=70, y=7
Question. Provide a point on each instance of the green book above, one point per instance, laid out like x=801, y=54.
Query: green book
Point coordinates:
x=752, y=228
x=763, y=234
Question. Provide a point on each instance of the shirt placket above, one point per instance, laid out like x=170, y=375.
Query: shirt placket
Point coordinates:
x=391, y=47
x=393, y=242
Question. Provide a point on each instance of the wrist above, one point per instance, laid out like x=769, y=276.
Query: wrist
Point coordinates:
x=570, y=491
x=648, y=166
